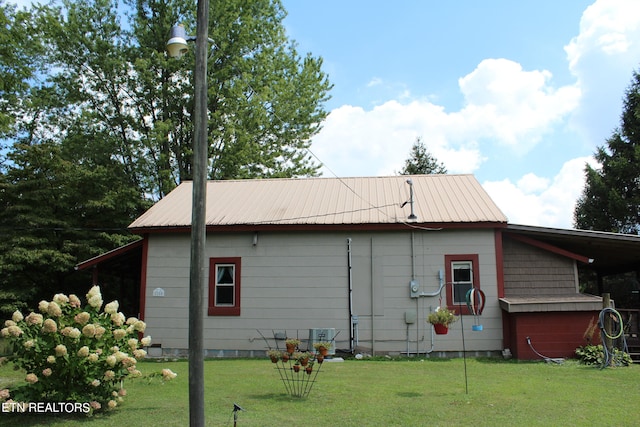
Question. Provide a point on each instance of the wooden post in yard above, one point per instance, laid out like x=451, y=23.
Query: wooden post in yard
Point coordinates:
x=606, y=303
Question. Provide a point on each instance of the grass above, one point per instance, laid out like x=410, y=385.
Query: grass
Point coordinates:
x=409, y=392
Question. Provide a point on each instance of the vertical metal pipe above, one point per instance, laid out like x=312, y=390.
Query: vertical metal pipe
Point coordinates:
x=373, y=304
x=198, y=221
x=413, y=278
x=350, y=279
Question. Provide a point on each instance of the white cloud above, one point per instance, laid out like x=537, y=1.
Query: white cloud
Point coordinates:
x=602, y=57
x=607, y=26
x=539, y=201
x=374, y=82
x=517, y=107
x=530, y=183
x=503, y=104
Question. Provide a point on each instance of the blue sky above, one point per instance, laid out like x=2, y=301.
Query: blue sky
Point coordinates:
x=518, y=93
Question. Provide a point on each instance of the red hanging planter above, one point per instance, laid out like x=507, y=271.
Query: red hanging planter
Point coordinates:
x=441, y=329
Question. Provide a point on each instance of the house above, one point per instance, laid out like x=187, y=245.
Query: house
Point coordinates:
x=364, y=260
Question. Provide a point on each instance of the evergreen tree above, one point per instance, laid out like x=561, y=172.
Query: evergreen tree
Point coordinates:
x=610, y=200
x=420, y=161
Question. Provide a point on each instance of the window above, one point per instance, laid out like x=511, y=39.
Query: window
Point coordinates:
x=224, y=287
x=461, y=275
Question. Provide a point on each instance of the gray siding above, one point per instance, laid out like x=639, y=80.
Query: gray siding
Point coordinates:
x=296, y=281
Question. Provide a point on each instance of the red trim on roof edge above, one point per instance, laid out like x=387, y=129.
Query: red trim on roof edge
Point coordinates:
x=143, y=276
x=499, y=263
x=324, y=227
x=108, y=255
x=550, y=248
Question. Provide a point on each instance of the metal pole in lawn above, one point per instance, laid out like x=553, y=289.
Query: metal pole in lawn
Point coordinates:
x=464, y=352
x=198, y=221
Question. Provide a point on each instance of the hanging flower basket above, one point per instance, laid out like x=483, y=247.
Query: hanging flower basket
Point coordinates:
x=441, y=329
x=441, y=319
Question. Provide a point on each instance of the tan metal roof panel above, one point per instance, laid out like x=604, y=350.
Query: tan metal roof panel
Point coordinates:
x=329, y=201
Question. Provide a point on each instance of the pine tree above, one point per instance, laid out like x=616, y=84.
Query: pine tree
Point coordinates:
x=420, y=161
x=610, y=200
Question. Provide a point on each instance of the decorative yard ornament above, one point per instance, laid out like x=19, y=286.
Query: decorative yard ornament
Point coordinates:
x=475, y=303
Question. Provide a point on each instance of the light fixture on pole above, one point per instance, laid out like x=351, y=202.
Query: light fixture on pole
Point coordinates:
x=177, y=46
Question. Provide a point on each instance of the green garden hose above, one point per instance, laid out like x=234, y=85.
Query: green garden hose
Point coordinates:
x=609, y=352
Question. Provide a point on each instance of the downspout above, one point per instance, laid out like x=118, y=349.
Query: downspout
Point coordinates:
x=413, y=278
x=350, y=283
x=373, y=335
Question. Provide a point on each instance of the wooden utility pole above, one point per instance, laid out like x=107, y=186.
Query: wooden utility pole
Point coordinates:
x=198, y=221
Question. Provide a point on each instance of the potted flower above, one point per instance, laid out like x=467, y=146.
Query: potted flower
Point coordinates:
x=441, y=319
x=322, y=347
x=303, y=358
x=292, y=344
x=274, y=355
x=309, y=368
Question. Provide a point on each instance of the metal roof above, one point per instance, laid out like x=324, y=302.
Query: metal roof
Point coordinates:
x=438, y=199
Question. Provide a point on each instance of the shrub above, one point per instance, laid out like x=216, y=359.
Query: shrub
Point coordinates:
x=594, y=355
x=72, y=353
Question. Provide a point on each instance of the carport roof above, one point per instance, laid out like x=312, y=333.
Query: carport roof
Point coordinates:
x=610, y=252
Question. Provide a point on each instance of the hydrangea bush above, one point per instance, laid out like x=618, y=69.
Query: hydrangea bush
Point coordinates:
x=72, y=353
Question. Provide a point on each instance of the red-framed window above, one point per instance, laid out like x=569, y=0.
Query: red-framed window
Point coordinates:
x=224, y=286
x=461, y=274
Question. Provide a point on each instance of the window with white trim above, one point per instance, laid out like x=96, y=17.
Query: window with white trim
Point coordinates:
x=462, y=274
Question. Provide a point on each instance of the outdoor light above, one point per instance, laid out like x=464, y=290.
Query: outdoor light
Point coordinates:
x=177, y=44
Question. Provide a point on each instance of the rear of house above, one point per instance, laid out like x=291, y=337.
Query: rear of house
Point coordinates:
x=364, y=261
x=339, y=255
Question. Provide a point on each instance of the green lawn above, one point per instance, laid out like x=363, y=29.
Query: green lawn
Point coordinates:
x=378, y=393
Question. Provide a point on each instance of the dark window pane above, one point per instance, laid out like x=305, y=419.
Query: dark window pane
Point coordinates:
x=460, y=292
x=224, y=295
x=462, y=274
x=225, y=274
